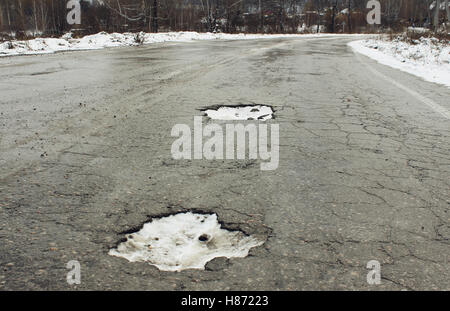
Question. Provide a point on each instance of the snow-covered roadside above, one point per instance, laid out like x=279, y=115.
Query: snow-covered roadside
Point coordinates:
x=427, y=59
x=105, y=40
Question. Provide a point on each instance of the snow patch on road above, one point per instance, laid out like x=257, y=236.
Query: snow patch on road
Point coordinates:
x=104, y=40
x=241, y=113
x=427, y=58
x=184, y=241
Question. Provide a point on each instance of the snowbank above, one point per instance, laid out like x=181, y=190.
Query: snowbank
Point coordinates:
x=105, y=40
x=427, y=58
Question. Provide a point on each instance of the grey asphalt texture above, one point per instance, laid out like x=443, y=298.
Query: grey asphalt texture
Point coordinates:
x=85, y=158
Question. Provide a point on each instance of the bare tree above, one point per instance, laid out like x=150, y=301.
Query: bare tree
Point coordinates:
x=8, y=15
x=436, y=15
x=36, y=27
x=261, y=17
x=447, y=9
x=391, y=10
x=319, y=6
x=155, y=16
x=333, y=16
x=44, y=16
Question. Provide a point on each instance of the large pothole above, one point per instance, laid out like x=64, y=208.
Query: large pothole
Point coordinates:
x=256, y=112
x=184, y=241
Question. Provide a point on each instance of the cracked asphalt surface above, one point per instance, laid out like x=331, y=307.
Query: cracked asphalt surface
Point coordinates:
x=85, y=157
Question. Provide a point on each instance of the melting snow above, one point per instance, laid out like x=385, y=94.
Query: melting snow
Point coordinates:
x=240, y=113
x=184, y=241
x=104, y=40
x=427, y=58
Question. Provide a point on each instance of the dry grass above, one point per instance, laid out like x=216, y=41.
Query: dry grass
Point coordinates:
x=413, y=37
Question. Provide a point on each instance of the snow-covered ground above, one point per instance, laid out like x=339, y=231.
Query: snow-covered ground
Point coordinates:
x=241, y=113
x=184, y=241
x=427, y=58
x=105, y=40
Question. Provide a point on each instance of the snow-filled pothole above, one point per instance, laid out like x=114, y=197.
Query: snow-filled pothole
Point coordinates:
x=257, y=112
x=184, y=241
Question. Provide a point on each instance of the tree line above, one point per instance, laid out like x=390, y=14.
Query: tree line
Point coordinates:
x=23, y=18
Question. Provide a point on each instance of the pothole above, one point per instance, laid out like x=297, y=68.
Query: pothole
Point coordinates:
x=256, y=112
x=184, y=241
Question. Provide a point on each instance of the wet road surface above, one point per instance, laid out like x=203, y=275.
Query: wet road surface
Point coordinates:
x=85, y=157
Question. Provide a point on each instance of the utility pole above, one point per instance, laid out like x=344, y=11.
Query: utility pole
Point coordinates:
x=350, y=16
x=319, y=8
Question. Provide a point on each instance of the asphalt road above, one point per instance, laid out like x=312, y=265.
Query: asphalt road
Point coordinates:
x=85, y=156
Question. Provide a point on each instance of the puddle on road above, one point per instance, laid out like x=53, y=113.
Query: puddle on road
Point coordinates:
x=184, y=241
x=258, y=112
